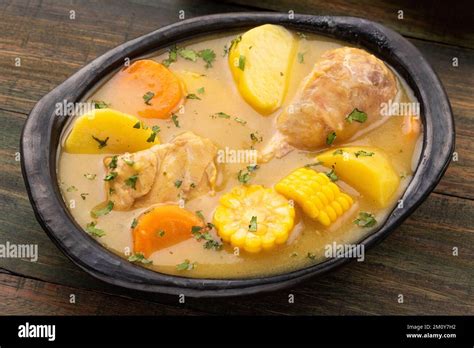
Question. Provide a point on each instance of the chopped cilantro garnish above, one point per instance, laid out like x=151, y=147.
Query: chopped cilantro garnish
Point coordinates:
x=356, y=115
x=103, y=211
x=132, y=181
x=147, y=97
x=102, y=143
x=175, y=120
x=253, y=224
x=332, y=175
x=242, y=62
x=110, y=176
x=330, y=138
x=139, y=258
x=362, y=153
x=365, y=219
x=94, y=231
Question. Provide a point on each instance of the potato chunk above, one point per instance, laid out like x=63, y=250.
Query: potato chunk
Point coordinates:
x=108, y=131
x=260, y=63
x=367, y=169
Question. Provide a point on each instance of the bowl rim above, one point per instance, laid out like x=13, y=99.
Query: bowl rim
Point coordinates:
x=40, y=136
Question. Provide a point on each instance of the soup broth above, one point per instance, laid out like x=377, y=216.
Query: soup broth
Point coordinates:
x=212, y=92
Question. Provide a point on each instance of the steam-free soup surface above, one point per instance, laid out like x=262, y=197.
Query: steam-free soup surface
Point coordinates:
x=81, y=175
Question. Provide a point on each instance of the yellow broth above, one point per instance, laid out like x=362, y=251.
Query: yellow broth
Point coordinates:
x=221, y=95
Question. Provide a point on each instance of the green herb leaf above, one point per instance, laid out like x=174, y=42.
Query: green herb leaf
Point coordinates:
x=186, y=266
x=188, y=54
x=103, y=211
x=365, y=219
x=139, y=258
x=151, y=138
x=113, y=162
x=89, y=176
x=239, y=120
x=337, y=152
x=242, y=62
x=132, y=181
x=178, y=183
x=253, y=167
x=102, y=143
x=235, y=42
x=256, y=138
x=208, y=56
x=94, y=231
x=311, y=256
x=137, y=125
x=221, y=115
x=253, y=224
x=356, y=115
x=212, y=244
x=332, y=175
x=201, y=90
x=160, y=233
x=175, y=120
x=200, y=214
x=154, y=131
x=196, y=229
x=243, y=177
x=172, y=57
x=110, y=176
x=147, y=97
x=330, y=138
x=99, y=104
x=134, y=223
x=301, y=57
x=71, y=188
x=362, y=153
x=192, y=96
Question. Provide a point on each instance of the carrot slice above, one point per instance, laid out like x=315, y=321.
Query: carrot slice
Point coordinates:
x=153, y=85
x=163, y=226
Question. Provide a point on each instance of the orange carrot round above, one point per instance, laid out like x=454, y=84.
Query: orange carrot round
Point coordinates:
x=154, y=85
x=163, y=226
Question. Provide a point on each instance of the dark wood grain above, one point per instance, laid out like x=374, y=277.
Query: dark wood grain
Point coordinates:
x=23, y=296
x=423, y=19
x=416, y=260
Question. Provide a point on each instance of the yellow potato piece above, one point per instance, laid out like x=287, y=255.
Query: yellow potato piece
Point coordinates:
x=108, y=131
x=260, y=63
x=367, y=169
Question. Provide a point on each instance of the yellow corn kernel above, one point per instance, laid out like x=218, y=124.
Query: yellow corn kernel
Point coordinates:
x=272, y=215
x=319, y=198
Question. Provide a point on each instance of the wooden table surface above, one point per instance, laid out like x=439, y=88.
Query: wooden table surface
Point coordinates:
x=416, y=260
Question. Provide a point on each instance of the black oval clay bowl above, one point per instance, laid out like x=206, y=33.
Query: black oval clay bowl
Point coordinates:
x=41, y=133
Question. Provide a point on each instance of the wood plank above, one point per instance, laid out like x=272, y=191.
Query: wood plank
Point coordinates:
x=22, y=296
x=21, y=87
x=442, y=21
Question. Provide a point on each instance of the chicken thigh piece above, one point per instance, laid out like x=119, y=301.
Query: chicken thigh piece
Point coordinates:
x=181, y=169
x=345, y=79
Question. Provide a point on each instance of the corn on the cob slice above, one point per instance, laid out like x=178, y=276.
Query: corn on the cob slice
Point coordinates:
x=254, y=218
x=319, y=198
